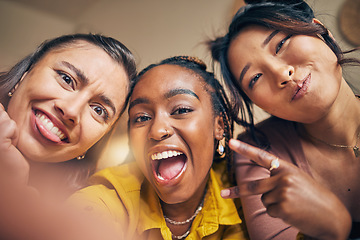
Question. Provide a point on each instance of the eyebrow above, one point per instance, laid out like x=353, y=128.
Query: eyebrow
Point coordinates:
x=178, y=91
x=138, y=101
x=271, y=36
x=80, y=74
x=169, y=94
x=85, y=80
x=108, y=102
x=266, y=41
x=242, y=74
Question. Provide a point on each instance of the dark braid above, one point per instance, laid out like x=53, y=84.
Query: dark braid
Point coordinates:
x=220, y=102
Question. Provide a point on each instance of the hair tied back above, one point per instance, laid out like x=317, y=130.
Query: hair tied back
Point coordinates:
x=193, y=60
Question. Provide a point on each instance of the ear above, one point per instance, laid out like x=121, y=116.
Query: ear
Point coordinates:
x=219, y=127
x=317, y=21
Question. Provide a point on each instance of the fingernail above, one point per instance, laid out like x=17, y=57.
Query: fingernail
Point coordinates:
x=225, y=193
x=234, y=143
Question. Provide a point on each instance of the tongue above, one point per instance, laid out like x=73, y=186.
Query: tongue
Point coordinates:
x=170, y=168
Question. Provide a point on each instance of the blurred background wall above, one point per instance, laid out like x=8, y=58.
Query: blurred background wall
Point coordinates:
x=152, y=30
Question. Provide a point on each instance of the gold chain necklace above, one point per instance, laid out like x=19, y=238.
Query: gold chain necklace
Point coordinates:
x=355, y=148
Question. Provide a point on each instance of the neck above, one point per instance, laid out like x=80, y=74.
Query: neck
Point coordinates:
x=341, y=124
x=184, y=210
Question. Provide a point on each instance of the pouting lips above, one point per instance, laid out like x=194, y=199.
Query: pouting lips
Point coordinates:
x=168, y=165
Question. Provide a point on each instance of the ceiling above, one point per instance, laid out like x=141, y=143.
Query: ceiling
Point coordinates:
x=68, y=9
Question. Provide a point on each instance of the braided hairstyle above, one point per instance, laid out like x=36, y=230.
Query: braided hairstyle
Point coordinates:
x=293, y=17
x=220, y=102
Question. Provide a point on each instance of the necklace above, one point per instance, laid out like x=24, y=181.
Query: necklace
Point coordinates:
x=181, y=236
x=173, y=222
x=355, y=148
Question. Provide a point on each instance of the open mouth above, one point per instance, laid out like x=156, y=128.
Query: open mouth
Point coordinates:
x=168, y=165
x=47, y=128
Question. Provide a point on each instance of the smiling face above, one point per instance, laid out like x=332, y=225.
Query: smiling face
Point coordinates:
x=172, y=130
x=67, y=102
x=285, y=75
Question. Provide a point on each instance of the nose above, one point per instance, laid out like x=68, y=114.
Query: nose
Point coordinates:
x=283, y=75
x=160, y=129
x=70, y=109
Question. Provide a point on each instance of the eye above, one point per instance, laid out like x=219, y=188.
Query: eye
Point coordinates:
x=100, y=111
x=66, y=79
x=182, y=110
x=254, y=80
x=141, y=118
x=281, y=43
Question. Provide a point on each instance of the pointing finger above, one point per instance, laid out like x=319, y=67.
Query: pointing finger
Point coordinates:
x=259, y=156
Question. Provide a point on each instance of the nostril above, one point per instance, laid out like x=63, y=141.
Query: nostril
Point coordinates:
x=290, y=72
x=284, y=83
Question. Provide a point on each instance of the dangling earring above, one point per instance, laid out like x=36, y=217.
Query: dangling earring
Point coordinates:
x=80, y=157
x=221, y=147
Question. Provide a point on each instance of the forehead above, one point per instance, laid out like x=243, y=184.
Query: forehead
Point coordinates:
x=164, y=78
x=247, y=46
x=253, y=35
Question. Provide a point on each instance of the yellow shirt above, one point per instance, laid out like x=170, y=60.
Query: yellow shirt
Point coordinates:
x=124, y=193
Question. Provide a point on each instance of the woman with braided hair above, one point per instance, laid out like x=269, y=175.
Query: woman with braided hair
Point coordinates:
x=306, y=176
x=179, y=125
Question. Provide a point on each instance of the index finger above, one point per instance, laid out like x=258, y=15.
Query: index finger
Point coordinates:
x=259, y=156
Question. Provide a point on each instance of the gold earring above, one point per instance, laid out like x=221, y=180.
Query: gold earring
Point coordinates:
x=10, y=94
x=80, y=157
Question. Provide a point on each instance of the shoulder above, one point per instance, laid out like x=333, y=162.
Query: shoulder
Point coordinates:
x=272, y=125
x=127, y=177
x=114, y=190
x=277, y=132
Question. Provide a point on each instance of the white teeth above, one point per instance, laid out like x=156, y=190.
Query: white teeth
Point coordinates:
x=160, y=177
x=49, y=125
x=165, y=154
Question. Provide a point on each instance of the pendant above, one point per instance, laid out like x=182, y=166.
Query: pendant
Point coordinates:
x=356, y=151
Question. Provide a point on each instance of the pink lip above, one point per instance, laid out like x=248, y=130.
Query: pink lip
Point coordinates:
x=166, y=182
x=302, y=88
x=40, y=129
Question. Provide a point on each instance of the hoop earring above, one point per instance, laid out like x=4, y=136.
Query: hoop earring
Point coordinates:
x=221, y=147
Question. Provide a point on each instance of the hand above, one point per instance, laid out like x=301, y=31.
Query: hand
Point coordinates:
x=14, y=169
x=294, y=196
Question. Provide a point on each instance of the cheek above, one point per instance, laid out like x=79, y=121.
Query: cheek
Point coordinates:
x=201, y=141
x=136, y=142
x=89, y=138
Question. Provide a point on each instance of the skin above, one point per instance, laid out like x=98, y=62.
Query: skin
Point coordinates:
x=283, y=71
x=54, y=88
x=299, y=80
x=192, y=128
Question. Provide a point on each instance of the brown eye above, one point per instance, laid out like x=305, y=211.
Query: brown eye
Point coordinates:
x=281, y=43
x=66, y=79
x=182, y=110
x=99, y=110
